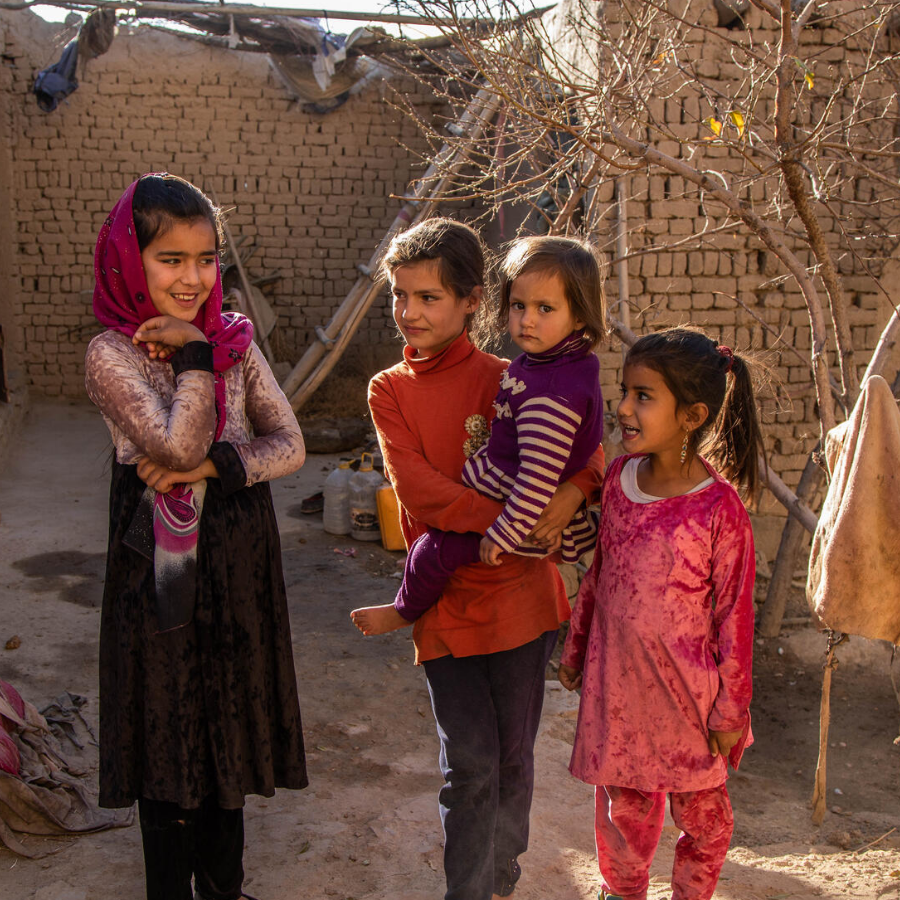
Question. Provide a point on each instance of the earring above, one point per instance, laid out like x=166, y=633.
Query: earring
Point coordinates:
x=684, y=444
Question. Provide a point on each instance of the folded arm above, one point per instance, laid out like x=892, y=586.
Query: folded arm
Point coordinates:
x=176, y=433
x=581, y=489
x=277, y=447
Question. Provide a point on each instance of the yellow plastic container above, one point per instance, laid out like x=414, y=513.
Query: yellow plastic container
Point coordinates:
x=389, y=518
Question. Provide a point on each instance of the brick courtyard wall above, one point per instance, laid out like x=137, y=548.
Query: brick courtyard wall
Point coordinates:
x=12, y=377
x=312, y=191
x=698, y=285
x=8, y=285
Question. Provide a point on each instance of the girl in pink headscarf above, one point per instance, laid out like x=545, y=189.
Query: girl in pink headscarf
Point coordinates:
x=198, y=700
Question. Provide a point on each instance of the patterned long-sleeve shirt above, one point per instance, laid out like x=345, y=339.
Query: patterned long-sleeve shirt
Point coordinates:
x=548, y=423
x=152, y=411
x=663, y=634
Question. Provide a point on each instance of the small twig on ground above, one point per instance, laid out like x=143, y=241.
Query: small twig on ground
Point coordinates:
x=871, y=843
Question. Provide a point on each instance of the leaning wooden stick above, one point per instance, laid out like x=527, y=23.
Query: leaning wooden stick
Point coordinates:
x=872, y=843
x=819, y=802
x=262, y=339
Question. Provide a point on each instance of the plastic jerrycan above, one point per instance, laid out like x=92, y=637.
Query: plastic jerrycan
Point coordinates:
x=336, y=514
x=363, y=506
x=389, y=518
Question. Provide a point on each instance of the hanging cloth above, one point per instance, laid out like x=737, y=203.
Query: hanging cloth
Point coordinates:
x=56, y=82
x=854, y=568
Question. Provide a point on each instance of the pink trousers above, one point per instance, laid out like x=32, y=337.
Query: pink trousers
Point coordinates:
x=628, y=825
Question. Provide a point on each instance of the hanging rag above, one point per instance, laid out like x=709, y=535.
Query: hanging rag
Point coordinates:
x=56, y=82
x=854, y=568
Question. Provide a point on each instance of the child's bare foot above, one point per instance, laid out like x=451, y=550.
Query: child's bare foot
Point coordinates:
x=378, y=619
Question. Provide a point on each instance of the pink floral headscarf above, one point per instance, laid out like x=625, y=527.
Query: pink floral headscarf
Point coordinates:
x=122, y=300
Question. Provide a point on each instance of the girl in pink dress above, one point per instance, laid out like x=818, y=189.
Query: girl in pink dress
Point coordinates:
x=661, y=637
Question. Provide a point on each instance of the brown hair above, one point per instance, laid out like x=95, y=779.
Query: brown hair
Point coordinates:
x=696, y=370
x=576, y=263
x=459, y=253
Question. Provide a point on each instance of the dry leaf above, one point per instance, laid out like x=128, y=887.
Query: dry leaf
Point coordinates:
x=714, y=125
x=807, y=72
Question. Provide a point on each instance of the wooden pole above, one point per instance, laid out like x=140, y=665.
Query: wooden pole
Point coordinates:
x=788, y=499
x=146, y=7
x=249, y=299
x=885, y=344
x=819, y=798
x=249, y=9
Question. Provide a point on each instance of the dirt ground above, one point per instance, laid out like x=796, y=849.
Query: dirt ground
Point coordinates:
x=368, y=827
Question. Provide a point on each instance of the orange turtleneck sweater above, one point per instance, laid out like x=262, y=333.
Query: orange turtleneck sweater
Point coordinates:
x=420, y=409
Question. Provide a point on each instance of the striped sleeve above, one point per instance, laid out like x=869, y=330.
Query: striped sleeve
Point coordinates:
x=545, y=428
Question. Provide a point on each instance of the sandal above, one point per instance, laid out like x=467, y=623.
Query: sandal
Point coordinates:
x=511, y=877
x=313, y=504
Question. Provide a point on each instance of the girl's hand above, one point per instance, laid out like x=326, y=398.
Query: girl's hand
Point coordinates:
x=569, y=678
x=163, y=479
x=556, y=516
x=489, y=552
x=163, y=335
x=723, y=741
x=159, y=351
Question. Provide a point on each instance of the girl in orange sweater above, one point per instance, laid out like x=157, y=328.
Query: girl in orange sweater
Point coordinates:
x=485, y=645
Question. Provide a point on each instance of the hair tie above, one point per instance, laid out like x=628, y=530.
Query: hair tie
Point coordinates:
x=728, y=353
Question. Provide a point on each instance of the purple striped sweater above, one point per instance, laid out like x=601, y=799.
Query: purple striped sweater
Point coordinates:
x=549, y=422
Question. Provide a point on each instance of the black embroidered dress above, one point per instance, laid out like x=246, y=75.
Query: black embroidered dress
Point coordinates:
x=211, y=708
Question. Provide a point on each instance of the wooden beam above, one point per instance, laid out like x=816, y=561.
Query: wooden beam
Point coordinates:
x=259, y=12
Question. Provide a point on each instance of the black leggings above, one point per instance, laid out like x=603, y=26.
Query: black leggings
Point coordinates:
x=206, y=843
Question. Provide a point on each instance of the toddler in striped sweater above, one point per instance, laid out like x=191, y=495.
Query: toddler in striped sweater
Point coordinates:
x=548, y=423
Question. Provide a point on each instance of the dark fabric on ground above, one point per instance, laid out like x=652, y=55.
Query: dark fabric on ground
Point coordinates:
x=209, y=709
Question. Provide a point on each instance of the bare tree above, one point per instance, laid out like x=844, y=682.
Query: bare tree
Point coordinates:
x=790, y=139
x=776, y=133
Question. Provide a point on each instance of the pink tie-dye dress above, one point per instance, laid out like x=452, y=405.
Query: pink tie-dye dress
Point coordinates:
x=663, y=633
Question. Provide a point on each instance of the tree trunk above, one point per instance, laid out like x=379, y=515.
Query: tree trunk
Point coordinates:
x=788, y=555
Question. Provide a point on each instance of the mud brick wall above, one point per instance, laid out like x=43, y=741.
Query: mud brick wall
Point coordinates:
x=312, y=191
x=706, y=284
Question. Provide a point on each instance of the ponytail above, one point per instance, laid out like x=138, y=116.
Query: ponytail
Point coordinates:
x=734, y=443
